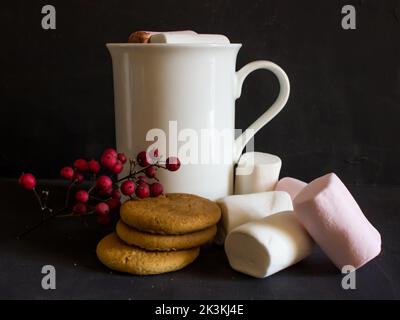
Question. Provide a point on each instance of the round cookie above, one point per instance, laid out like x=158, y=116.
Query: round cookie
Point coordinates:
x=117, y=255
x=159, y=242
x=173, y=213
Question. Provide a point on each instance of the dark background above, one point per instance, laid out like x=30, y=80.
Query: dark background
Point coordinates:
x=343, y=113
x=343, y=116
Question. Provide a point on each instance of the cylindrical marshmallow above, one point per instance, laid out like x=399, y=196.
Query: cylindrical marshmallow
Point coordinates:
x=189, y=38
x=333, y=218
x=257, y=172
x=264, y=247
x=144, y=36
x=290, y=185
x=239, y=209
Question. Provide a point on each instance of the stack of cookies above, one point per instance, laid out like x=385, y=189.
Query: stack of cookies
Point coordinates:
x=157, y=235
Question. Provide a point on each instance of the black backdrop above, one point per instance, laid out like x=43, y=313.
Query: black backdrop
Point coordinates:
x=343, y=113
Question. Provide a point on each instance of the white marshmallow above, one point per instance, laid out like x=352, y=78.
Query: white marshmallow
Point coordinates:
x=239, y=209
x=257, y=172
x=264, y=247
x=180, y=37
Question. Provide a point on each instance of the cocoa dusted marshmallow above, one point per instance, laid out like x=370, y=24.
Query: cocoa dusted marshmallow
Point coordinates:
x=140, y=36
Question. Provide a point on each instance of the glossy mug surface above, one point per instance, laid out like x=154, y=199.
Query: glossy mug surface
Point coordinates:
x=185, y=90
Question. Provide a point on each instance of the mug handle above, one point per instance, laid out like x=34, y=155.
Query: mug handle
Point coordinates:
x=271, y=112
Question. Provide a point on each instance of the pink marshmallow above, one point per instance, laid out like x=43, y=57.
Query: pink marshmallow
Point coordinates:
x=290, y=185
x=333, y=218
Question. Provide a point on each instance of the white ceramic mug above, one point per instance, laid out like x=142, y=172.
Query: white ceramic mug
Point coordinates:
x=195, y=85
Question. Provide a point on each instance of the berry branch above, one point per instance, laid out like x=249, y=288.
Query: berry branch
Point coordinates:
x=103, y=196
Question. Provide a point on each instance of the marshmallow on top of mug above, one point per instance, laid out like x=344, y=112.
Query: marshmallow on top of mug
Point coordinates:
x=177, y=37
x=144, y=36
x=185, y=36
x=257, y=172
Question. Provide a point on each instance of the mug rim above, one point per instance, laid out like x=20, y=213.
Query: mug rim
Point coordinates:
x=173, y=45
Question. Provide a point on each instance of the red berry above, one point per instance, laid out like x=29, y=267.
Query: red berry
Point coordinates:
x=116, y=194
x=128, y=188
x=121, y=157
x=143, y=190
x=106, y=192
x=67, y=173
x=173, y=164
x=94, y=166
x=110, y=151
x=82, y=196
x=104, y=219
x=81, y=165
x=79, y=208
x=117, y=168
x=78, y=178
x=113, y=203
x=27, y=181
x=104, y=183
x=143, y=159
x=141, y=182
x=108, y=160
x=156, y=189
x=151, y=172
x=102, y=208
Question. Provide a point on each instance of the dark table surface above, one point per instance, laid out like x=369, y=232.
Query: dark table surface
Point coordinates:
x=69, y=245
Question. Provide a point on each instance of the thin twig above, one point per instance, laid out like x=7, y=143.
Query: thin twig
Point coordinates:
x=72, y=214
x=99, y=199
x=45, y=194
x=45, y=208
x=39, y=199
x=38, y=224
x=68, y=194
x=91, y=188
x=130, y=175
